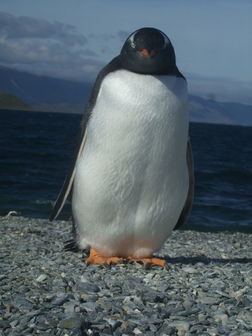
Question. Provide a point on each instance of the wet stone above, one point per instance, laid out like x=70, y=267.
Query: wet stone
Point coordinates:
x=69, y=307
x=4, y=324
x=86, y=287
x=89, y=306
x=41, y=278
x=61, y=299
x=205, y=291
x=23, y=303
x=70, y=323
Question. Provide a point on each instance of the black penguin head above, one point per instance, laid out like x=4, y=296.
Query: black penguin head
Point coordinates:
x=148, y=51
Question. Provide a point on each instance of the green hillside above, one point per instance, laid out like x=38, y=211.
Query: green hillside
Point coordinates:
x=9, y=101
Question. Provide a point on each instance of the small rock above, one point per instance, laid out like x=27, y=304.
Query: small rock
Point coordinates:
x=69, y=307
x=4, y=324
x=70, y=323
x=86, y=287
x=77, y=309
x=6, y=288
x=88, y=306
x=14, y=323
x=60, y=299
x=187, y=304
x=221, y=318
x=201, y=317
x=153, y=328
x=137, y=331
x=42, y=326
x=181, y=326
x=245, y=315
x=83, y=279
x=114, y=323
x=52, y=322
x=22, y=302
x=127, y=309
x=213, y=332
x=190, y=270
x=197, y=329
x=127, y=299
x=207, y=299
x=41, y=278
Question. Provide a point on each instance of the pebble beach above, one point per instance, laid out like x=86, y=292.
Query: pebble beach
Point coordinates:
x=206, y=288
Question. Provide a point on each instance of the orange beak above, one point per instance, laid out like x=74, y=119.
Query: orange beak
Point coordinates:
x=146, y=53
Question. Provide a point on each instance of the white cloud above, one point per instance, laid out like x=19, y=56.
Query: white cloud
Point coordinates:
x=53, y=49
x=58, y=50
x=14, y=27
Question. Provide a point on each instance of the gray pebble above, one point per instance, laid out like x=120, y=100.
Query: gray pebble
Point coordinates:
x=187, y=304
x=41, y=278
x=208, y=299
x=23, y=303
x=4, y=324
x=70, y=323
x=42, y=326
x=86, y=287
x=61, y=299
x=89, y=306
x=205, y=291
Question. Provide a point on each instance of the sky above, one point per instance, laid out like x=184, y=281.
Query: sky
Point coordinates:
x=74, y=39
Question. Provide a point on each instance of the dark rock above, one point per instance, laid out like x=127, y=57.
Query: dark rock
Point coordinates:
x=86, y=287
x=61, y=299
x=4, y=324
x=23, y=303
x=70, y=323
x=199, y=295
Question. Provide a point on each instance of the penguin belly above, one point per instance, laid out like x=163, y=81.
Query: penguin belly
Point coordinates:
x=132, y=179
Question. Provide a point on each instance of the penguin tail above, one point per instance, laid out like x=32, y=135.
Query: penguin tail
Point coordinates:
x=71, y=245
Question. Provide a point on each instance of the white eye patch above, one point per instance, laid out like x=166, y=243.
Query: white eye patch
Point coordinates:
x=131, y=39
x=166, y=40
x=133, y=43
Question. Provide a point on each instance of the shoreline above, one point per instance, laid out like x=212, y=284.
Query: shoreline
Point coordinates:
x=205, y=290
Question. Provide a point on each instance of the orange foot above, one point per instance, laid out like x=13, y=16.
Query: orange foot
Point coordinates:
x=96, y=258
x=148, y=262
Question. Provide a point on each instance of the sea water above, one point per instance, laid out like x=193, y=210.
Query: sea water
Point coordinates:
x=36, y=149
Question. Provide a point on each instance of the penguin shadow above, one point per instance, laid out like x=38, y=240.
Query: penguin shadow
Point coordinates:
x=71, y=246
x=205, y=260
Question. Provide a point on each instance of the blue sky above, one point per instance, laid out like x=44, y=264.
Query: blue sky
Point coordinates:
x=73, y=39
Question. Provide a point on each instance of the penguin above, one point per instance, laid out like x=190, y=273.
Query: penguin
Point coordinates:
x=132, y=177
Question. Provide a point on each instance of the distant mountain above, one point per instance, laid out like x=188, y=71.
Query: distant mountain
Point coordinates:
x=36, y=90
x=10, y=101
x=214, y=112
x=57, y=95
x=222, y=89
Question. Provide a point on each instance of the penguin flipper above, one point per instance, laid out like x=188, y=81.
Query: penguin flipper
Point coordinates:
x=67, y=185
x=189, y=200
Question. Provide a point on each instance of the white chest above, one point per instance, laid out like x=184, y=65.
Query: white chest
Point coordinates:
x=131, y=179
x=130, y=106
